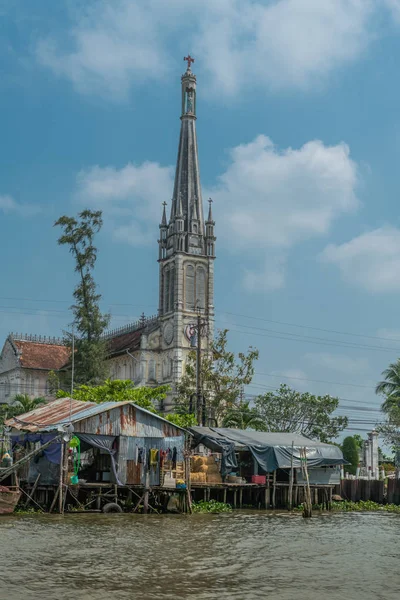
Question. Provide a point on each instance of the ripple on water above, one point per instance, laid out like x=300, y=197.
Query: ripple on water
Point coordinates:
x=244, y=555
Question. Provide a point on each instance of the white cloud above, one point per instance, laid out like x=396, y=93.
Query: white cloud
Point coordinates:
x=131, y=198
x=278, y=199
x=371, y=260
x=8, y=205
x=338, y=362
x=113, y=45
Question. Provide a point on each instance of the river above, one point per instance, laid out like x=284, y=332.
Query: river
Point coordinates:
x=230, y=556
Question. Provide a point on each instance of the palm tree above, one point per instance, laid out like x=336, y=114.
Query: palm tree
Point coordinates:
x=243, y=416
x=390, y=387
x=25, y=403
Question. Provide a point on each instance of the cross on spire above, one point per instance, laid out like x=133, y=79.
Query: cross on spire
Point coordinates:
x=189, y=60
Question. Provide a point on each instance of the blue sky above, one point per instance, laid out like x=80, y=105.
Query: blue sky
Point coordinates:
x=299, y=139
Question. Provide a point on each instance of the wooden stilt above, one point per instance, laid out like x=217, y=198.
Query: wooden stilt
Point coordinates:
x=146, y=494
x=241, y=497
x=33, y=490
x=225, y=495
x=61, y=479
x=54, y=499
x=235, y=499
x=290, y=496
x=274, y=490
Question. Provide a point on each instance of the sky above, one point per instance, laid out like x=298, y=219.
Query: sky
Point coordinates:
x=299, y=139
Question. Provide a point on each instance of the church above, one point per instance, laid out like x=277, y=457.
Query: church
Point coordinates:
x=153, y=350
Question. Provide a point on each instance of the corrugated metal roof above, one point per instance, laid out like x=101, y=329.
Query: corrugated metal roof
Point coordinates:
x=47, y=416
x=58, y=412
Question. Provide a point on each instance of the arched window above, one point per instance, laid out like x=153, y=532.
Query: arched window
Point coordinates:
x=200, y=288
x=166, y=290
x=171, y=288
x=152, y=370
x=189, y=288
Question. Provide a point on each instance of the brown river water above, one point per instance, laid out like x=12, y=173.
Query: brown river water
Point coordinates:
x=243, y=555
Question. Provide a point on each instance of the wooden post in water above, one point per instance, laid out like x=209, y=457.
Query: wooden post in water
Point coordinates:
x=290, y=499
x=274, y=490
x=146, y=493
x=307, y=505
x=61, y=479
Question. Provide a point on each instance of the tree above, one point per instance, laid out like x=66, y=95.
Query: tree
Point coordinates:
x=89, y=322
x=295, y=412
x=243, y=416
x=359, y=440
x=182, y=420
x=21, y=404
x=118, y=390
x=350, y=453
x=390, y=386
x=223, y=376
x=25, y=403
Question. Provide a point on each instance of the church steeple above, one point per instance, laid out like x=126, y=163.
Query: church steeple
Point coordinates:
x=187, y=218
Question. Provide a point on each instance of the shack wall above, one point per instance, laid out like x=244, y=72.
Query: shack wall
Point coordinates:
x=126, y=420
x=131, y=473
x=321, y=475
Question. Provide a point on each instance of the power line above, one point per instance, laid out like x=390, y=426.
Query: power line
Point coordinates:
x=372, y=337
x=296, y=337
x=277, y=375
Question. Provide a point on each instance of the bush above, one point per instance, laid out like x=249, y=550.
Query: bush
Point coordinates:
x=350, y=453
x=212, y=506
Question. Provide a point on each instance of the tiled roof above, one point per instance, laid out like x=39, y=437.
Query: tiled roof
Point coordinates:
x=126, y=341
x=49, y=414
x=41, y=356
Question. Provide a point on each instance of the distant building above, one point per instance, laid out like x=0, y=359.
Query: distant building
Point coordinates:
x=153, y=350
x=25, y=363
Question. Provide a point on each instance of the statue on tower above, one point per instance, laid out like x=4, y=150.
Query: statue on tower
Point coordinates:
x=189, y=101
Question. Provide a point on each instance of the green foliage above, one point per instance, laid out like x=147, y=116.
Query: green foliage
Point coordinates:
x=211, y=506
x=350, y=453
x=388, y=467
x=390, y=387
x=182, y=420
x=25, y=403
x=359, y=441
x=223, y=376
x=53, y=381
x=89, y=322
x=118, y=390
x=295, y=412
x=21, y=404
x=243, y=416
x=365, y=505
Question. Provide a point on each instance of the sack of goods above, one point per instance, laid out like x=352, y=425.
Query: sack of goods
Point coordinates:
x=198, y=477
x=205, y=465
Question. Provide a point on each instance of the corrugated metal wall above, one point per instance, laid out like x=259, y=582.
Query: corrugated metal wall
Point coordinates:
x=127, y=420
x=127, y=452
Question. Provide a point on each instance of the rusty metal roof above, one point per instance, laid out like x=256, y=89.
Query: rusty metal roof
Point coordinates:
x=59, y=412
x=48, y=416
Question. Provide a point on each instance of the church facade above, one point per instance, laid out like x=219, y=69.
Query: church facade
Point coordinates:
x=153, y=351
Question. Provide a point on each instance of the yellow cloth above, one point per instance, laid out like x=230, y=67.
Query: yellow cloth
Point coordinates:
x=153, y=456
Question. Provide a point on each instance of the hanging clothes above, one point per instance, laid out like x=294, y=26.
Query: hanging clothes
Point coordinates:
x=174, y=455
x=140, y=456
x=153, y=457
